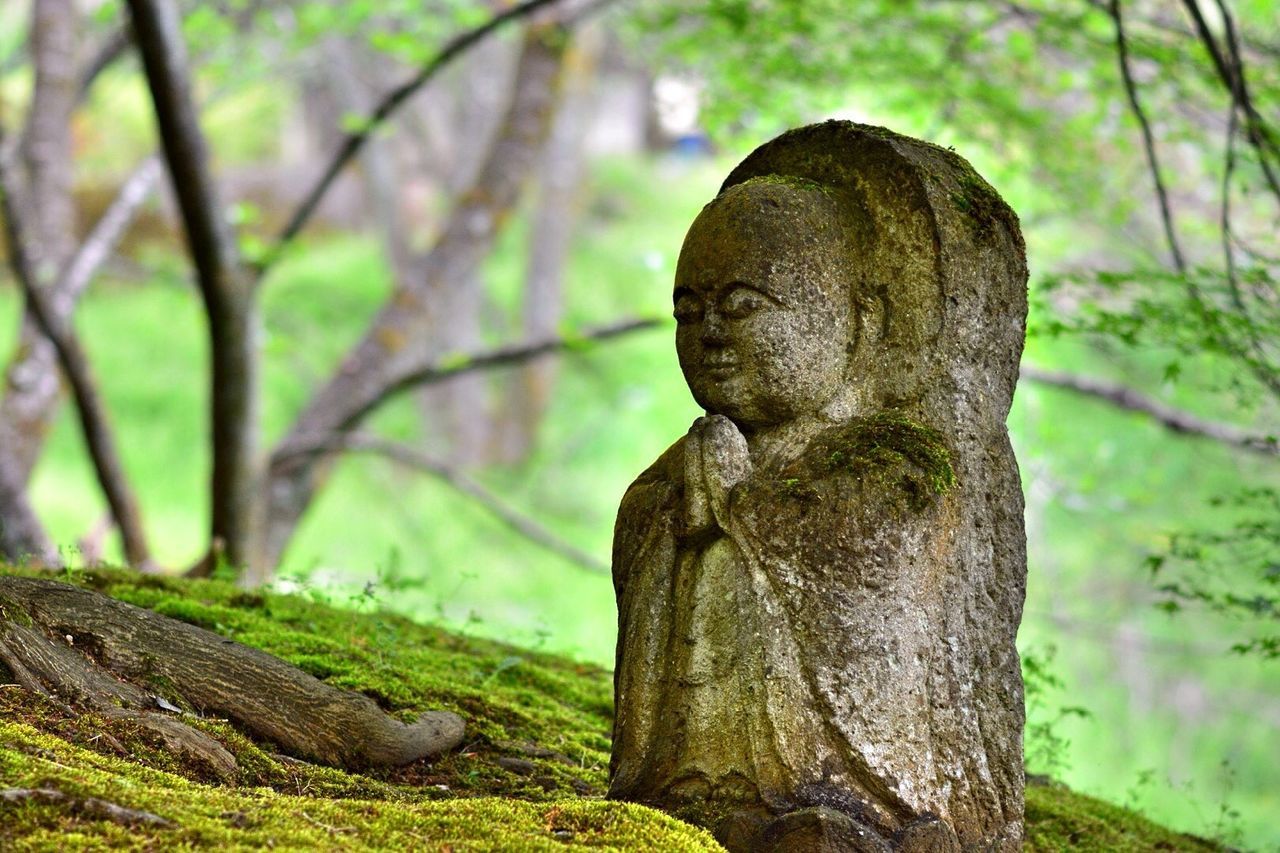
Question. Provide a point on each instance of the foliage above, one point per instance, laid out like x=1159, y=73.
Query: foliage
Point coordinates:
x=1149, y=309
x=1235, y=571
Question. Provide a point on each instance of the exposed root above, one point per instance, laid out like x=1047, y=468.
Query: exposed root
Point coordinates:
x=74, y=645
x=90, y=807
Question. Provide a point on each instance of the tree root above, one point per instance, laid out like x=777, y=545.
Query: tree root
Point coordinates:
x=87, y=806
x=77, y=646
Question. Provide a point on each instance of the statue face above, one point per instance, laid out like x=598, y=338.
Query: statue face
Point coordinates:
x=763, y=304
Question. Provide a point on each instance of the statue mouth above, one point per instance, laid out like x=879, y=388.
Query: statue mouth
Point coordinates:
x=721, y=369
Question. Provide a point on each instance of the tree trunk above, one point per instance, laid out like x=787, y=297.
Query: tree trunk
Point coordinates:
x=378, y=166
x=21, y=534
x=83, y=647
x=33, y=386
x=74, y=364
x=457, y=412
x=225, y=286
x=398, y=341
x=551, y=234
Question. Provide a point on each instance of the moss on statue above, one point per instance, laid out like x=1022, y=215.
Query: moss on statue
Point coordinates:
x=530, y=777
x=874, y=449
x=792, y=181
x=981, y=204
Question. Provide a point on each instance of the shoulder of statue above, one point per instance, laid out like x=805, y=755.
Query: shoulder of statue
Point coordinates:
x=661, y=480
x=667, y=469
x=887, y=452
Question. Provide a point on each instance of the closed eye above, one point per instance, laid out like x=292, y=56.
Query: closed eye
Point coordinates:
x=743, y=300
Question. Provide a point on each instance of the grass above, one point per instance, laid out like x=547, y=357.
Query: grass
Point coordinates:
x=530, y=777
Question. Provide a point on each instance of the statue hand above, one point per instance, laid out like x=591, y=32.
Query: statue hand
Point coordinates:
x=716, y=460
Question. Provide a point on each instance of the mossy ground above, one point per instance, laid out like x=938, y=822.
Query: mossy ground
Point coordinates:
x=531, y=776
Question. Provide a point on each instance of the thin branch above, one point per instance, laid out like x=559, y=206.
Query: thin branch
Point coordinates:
x=1233, y=77
x=1224, y=218
x=390, y=102
x=411, y=458
x=225, y=286
x=506, y=356
x=114, y=46
x=90, y=807
x=106, y=233
x=75, y=365
x=1262, y=368
x=1167, y=416
x=287, y=455
x=27, y=408
x=1148, y=140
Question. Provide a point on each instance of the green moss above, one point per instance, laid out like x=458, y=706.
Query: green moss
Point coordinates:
x=531, y=776
x=980, y=203
x=14, y=612
x=875, y=449
x=247, y=818
x=1060, y=820
x=792, y=181
x=512, y=699
x=794, y=487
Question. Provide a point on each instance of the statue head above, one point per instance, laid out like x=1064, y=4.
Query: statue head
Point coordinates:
x=769, y=305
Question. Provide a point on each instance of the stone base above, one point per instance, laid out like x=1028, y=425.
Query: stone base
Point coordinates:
x=825, y=830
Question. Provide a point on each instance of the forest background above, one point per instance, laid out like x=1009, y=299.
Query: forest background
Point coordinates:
x=533, y=190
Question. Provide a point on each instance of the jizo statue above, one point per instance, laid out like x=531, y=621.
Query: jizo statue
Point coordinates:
x=820, y=584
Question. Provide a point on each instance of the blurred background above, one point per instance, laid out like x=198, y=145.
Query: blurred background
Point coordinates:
x=538, y=185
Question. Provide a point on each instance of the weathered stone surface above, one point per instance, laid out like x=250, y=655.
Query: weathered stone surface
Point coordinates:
x=820, y=584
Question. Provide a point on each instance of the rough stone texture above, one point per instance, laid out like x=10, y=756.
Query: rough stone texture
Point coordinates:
x=820, y=584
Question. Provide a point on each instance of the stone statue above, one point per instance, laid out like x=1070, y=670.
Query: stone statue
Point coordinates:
x=820, y=584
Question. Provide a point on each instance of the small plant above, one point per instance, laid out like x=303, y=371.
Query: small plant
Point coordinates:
x=1045, y=746
x=1133, y=797
x=1226, y=827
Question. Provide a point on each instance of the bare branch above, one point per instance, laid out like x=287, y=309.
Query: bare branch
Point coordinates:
x=507, y=356
x=400, y=339
x=1148, y=140
x=1167, y=416
x=225, y=286
x=411, y=458
x=108, y=230
x=456, y=365
x=114, y=46
x=1224, y=216
x=93, y=419
x=1232, y=74
x=30, y=403
x=90, y=807
x=390, y=102
x=1262, y=368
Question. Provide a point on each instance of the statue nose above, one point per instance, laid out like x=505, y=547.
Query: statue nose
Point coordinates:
x=713, y=328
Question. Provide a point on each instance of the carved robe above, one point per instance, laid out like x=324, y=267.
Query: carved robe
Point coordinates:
x=765, y=660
